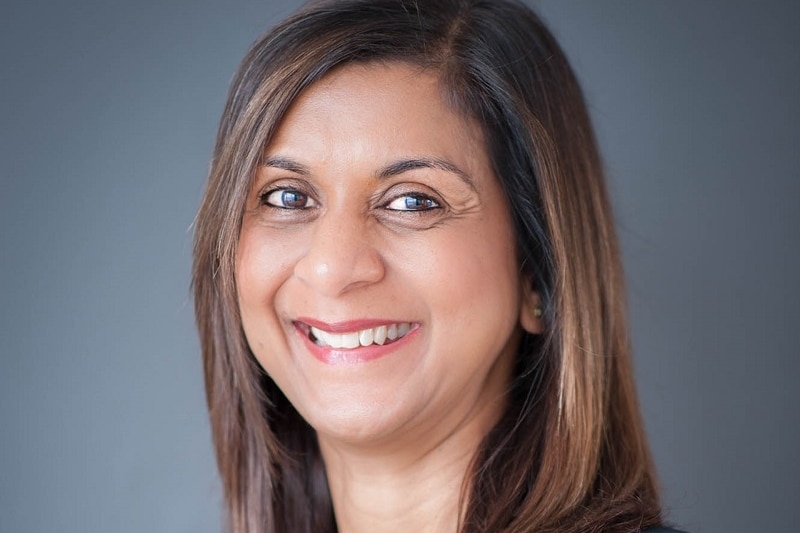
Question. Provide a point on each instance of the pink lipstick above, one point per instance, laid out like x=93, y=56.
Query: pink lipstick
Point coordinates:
x=354, y=341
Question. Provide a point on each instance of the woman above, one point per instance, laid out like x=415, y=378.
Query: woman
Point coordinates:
x=407, y=283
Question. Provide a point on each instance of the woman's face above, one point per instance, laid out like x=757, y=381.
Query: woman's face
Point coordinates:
x=376, y=272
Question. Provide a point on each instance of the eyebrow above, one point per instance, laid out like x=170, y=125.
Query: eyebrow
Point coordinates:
x=404, y=165
x=285, y=163
x=393, y=169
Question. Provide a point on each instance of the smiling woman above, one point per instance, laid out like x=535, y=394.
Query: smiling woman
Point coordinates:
x=360, y=250
x=407, y=283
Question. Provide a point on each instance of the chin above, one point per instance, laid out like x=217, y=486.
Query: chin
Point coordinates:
x=358, y=421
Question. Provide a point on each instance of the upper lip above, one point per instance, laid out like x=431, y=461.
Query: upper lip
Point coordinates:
x=349, y=326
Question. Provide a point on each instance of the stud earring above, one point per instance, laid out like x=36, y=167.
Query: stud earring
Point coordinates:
x=537, y=312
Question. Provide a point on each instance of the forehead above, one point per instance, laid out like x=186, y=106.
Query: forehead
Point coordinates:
x=373, y=82
x=378, y=111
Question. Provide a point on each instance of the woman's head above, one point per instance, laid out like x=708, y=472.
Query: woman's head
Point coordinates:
x=568, y=436
x=376, y=212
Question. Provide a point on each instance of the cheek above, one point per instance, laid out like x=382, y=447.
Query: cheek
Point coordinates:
x=262, y=266
x=263, y=260
x=468, y=272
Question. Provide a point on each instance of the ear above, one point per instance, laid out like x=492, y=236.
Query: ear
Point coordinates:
x=530, y=312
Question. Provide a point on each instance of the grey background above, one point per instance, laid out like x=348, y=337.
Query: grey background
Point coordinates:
x=108, y=113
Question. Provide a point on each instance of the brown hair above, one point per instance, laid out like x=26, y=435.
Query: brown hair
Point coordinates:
x=569, y=453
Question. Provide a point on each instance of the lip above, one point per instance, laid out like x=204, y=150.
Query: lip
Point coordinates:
x=362, y=354
x=348, y=326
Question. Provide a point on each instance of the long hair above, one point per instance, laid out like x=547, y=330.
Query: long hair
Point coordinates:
x=569, y=452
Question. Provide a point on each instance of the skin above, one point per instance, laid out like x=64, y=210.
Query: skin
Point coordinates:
x=336, y=231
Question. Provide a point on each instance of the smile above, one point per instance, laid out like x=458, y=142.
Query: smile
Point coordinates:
x=381, y=335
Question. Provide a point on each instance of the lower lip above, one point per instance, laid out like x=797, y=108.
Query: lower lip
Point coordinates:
x=362, y=354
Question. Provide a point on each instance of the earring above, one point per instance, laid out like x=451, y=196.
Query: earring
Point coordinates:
x=537, y=312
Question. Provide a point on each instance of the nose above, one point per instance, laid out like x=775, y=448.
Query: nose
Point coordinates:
x=340, y=256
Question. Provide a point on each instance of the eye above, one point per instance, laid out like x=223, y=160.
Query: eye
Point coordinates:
x=412, y=202
x=287, y=199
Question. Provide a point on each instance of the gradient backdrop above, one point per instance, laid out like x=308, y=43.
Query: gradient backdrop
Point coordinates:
x=109, y=111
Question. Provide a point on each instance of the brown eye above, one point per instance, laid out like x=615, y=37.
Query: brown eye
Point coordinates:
x=288, y=199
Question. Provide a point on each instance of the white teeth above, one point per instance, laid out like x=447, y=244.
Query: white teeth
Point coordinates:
x=365, y=337
x=380, y=335
x=349, y=341
x=321, y=336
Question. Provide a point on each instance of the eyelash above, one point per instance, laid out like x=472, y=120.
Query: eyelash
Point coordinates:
x=429, y=203
x=264, y=199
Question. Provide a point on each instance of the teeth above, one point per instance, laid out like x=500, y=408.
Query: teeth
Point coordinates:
x=350, y=341
x=380, y=335
x=365, y=337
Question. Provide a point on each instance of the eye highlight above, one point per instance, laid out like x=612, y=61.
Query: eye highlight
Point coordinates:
x=413, y=202
x=286, y=198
